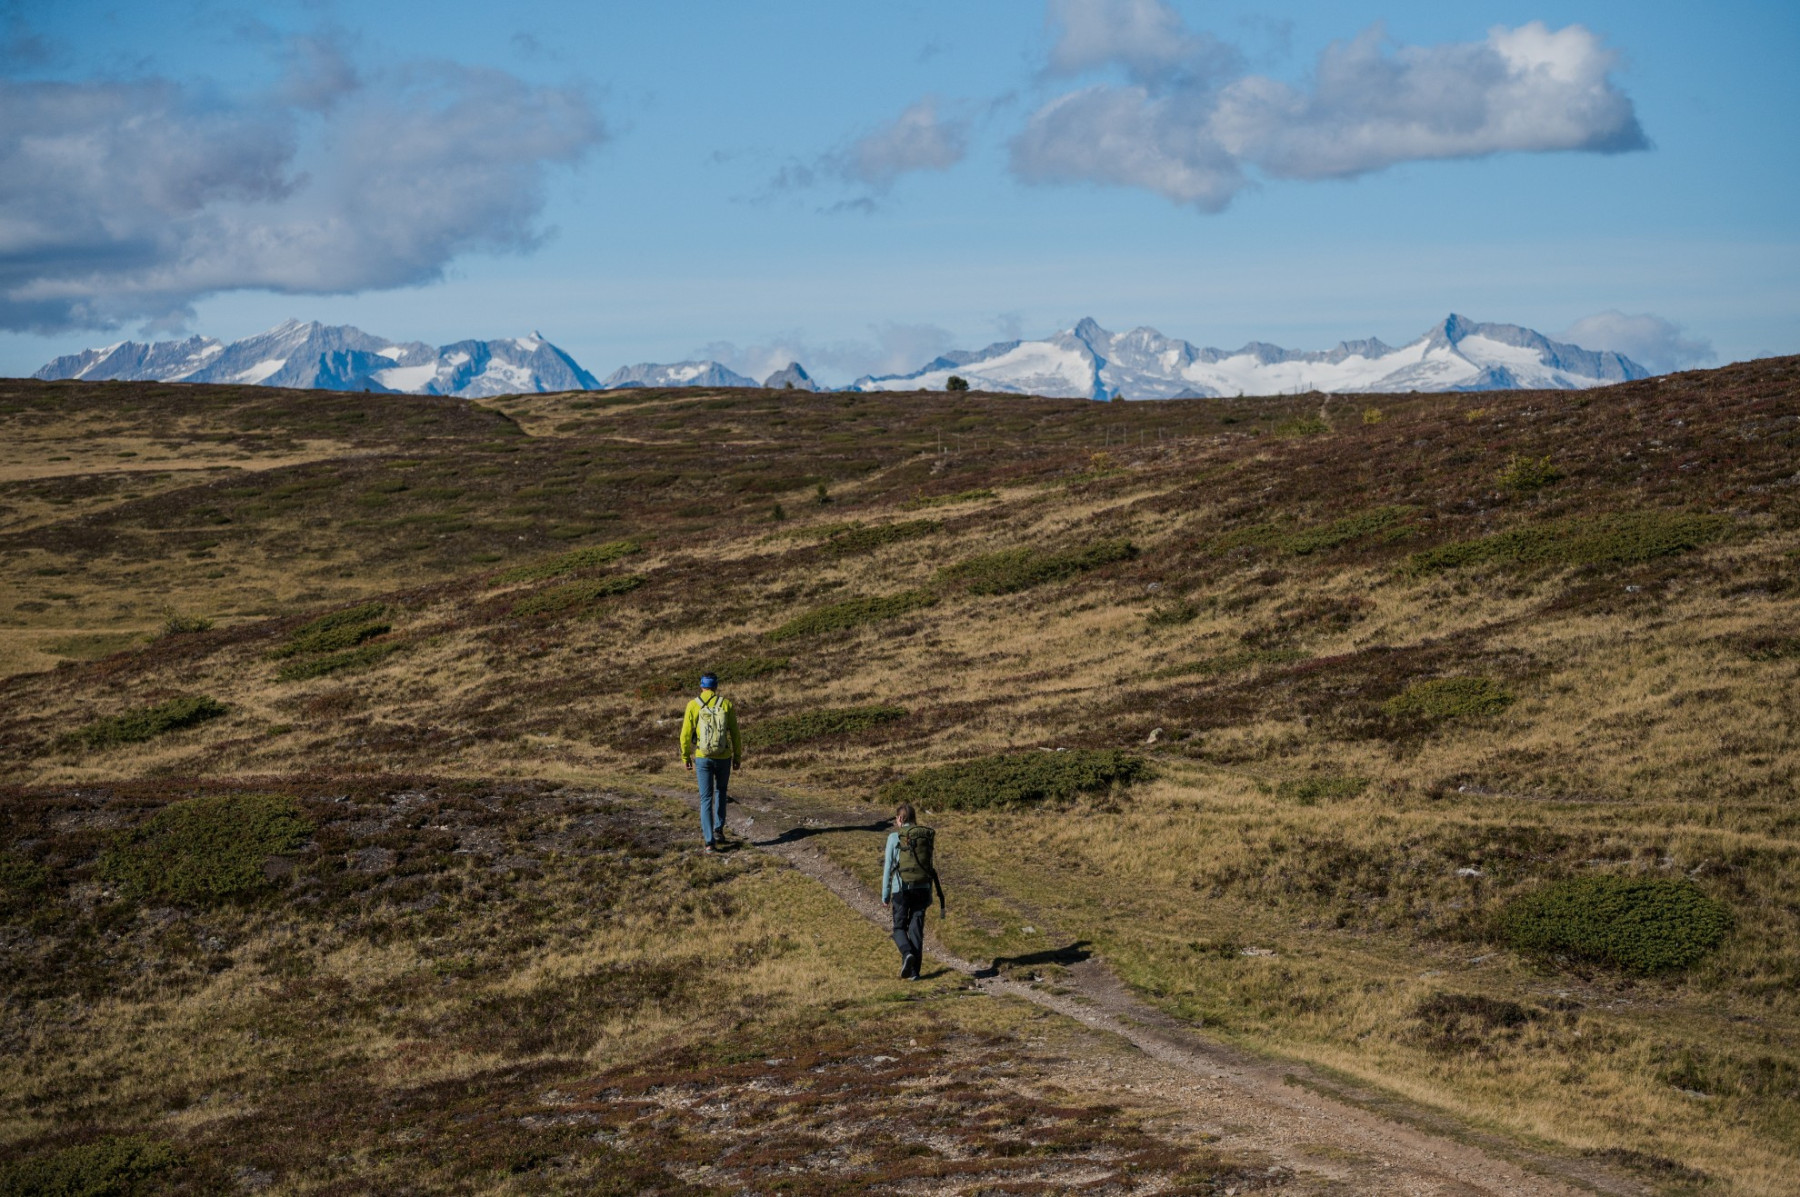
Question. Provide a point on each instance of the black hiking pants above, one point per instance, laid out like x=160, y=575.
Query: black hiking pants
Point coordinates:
x=909, y=904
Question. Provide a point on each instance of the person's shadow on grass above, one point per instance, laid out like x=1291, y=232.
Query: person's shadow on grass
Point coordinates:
x=794, y=835
x=1073, y=953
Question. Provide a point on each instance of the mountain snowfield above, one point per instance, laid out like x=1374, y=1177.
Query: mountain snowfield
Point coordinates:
x=1087, y=361
x=1082, y=362
x=338, y=358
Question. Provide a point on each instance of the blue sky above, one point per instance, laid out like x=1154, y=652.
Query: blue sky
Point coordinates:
x=863, y=186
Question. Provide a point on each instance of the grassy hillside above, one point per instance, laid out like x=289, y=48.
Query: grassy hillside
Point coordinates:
x=1459, y=749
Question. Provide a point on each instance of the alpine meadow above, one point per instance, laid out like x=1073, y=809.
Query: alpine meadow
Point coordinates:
x=1376, y=793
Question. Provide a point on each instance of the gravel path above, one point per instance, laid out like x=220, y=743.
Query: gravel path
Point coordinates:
x=1326, y=1131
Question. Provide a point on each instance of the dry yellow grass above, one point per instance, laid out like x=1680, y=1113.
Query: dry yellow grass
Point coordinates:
x=1646, y=733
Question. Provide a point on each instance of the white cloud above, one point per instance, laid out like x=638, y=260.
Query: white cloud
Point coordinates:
x=1648, y=340
x=1146, y=37
x=1128, y=137
x=130, y=200
x=918, y=139
x=1183, y=129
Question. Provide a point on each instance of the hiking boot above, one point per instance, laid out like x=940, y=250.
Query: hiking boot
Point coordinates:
x=909, y=968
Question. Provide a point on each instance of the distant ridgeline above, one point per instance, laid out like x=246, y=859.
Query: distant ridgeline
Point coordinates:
x=1083, y=362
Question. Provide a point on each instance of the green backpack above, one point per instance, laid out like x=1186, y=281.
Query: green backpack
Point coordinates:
x=710, y=737
x=915, y=855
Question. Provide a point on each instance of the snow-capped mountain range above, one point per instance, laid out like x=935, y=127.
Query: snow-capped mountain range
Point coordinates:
x=1085, y=361
x=338, y=358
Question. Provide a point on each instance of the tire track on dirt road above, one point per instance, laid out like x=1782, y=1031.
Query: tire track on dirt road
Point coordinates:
x=1284, y=1110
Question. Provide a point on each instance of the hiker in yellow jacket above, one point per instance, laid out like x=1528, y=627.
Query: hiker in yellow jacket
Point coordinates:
x=710, y=747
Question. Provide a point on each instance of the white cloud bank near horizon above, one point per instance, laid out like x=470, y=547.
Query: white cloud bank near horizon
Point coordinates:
x=1189, y=125
x=1649, y=340
x=129, y=200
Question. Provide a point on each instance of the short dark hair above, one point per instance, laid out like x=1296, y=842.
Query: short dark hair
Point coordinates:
x=905, y=813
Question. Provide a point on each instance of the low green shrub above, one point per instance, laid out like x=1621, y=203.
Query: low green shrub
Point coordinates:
x=185, y=625
x=205, y=849
x=573, y=596
x=736, y=669
x=591, y=557
x=1307, y=791
x=1623, y=538
x=1012, y=570
x=852, y=613
x=863, y=540
x=1168, y=615
x=117, y=1166
x=1302, y=426
x=364, y=657
x=21, y=881
x=962, y=496
x=335, y=632
x=739, y=669
x=1017, y=779
x=1387, y=524
x=816, y=725
x=146, y=723
x=1526, y=474
x=1448, y=698
x=1638, y=924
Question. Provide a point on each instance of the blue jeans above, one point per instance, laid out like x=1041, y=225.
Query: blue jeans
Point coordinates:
x=714, y=775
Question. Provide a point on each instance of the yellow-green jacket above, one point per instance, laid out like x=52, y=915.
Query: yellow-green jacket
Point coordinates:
x=733, y=741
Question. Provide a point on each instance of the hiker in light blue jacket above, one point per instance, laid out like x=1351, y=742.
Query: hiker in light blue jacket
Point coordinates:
x=908, y=876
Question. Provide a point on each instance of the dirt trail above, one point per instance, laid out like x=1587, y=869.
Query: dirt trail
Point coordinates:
x=1354, y=1140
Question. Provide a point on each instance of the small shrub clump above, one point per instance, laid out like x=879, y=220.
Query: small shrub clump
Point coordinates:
x=1448, y=698
x=1013, y=570
x=863, y=540
x=567, y=563
x=185, y=625
x=1302, y=426
x=1524, y=474
x=1384, y=524
x=1307, y=791
x=1457, y=1023
x=205, y=849
x=816, y=725
x=335, y=632
x=21, y=881
x=116, y=1166
x=1638, y=924
x=146, y=723
x=1017, y=779
x=1623, y=538
x=737, y=669
x=365, y=657
x=1168, y=615
x=572, y=596
x=853, y=613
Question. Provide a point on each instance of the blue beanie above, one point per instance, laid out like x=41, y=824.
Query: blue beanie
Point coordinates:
x=709, y=681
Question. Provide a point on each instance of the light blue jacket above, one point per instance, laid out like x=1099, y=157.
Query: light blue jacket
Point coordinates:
x=890, y=866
